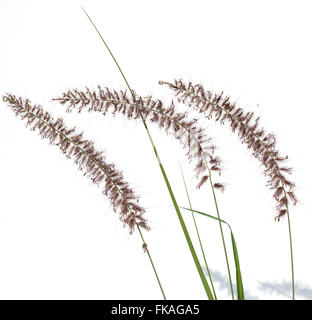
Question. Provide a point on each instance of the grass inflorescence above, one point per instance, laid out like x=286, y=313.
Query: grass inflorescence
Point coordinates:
x=247, y=127
x=84, y=154
x=186, y=130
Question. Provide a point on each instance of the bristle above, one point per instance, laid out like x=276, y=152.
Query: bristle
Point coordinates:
x=263, y=145
x=92, y=162
x=133, y=107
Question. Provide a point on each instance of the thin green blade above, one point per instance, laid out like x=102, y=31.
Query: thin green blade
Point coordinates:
x=187, y=237
x=239, y=280
x=205, y=214
x=198, y=235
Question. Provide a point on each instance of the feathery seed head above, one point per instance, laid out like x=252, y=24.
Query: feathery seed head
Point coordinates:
x=190, y=135
x=84, y=154
x=246, y=126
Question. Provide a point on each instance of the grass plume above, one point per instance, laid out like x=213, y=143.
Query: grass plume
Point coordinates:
x=192, y=137
x=246, y=126
x=122, y=198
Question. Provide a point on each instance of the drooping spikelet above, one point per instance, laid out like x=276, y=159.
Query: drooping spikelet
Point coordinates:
x=262, y=144
x=191, y=136
x=88, y=159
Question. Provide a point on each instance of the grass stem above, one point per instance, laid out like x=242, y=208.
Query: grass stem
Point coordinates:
x=198, y=236
x=239, y=280
x=221, y=231
x=188, y=239
x=291, y=255
x=152, y=263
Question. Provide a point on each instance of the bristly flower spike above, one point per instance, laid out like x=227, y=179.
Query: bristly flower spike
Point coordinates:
x=187, y=132
x=262, y=144
x=122, y=198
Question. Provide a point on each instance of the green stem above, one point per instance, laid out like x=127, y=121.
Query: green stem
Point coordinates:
x=239, y=280
x=221, y=231
x=153, y=266
x=198, y=236
x=188, y=239
x=107, y=47
x=291, y=255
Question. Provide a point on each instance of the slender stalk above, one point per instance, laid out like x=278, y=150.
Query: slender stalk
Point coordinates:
x=188, y=239
x=153, y=266
x=239, y=280
x=291, y=255
x=222, y=235
x=221, y=231
x=107, y=47
x=198, y=236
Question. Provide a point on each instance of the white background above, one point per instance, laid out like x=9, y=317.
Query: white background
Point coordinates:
x=59, y=239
